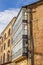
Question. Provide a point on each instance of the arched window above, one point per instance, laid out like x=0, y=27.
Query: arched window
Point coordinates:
x=4, y=46
x=1, y=59
x=8, y=56
x=8, y=42
x=9, y=32
x=4, y=58
x=5, y=36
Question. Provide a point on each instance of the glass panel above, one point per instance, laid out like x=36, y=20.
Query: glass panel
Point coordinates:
x=18, y=25
x=17, y=21
x=24, y=14
x=18, y=38
x=17, y=47
x=25, y=28
x=17, y=54
x=20, y=29
x=16, y=35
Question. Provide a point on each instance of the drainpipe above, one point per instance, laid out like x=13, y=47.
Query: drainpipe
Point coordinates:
x=30, y=37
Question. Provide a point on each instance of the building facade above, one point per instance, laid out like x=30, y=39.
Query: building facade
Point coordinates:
x=35, y=17
x=1, y=49
x=6, y=54
x=35, y=39
x=28, y=35
x=22, y=39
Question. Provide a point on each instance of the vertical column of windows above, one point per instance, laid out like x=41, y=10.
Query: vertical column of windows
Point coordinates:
x=20, y=30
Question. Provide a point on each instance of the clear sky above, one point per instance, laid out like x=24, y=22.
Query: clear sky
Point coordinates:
x=9, y=9
x=6, y=4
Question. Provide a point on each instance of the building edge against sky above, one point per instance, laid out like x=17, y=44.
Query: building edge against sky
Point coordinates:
x=33, y=15
x=6, y=44
x=28, y=35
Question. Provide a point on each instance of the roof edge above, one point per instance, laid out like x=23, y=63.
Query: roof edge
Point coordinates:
x=33, y=3
x=8, y=25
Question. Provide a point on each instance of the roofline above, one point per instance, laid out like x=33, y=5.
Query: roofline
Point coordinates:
x=18, y=14
x=26, y=7
x=8, y=25
x=21, y=9
x=32, y=4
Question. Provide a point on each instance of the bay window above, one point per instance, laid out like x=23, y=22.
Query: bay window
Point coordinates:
x=20, y=35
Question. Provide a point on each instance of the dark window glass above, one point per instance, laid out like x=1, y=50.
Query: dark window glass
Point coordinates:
x=8, y=42
x=1, y=59
x=8, y=56
x=4, y=46
x=9, y=32
x=4, y=58
x=5, y=36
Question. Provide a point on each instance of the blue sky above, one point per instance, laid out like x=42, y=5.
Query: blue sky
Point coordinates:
x=6, y=4
x=9, y=9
